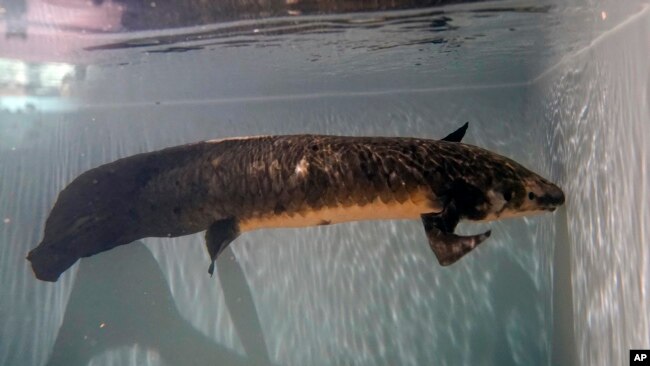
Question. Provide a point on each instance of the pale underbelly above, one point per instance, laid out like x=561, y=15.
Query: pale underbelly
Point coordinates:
x=377, y=210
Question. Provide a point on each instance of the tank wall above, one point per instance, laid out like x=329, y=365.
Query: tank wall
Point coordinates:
x=596, y=105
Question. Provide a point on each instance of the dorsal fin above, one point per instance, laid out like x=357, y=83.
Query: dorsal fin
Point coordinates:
x=457, y=135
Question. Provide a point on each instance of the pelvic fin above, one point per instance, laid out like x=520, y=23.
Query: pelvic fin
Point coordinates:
x=218, y=236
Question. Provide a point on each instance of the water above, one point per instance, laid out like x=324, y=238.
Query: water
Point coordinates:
x=560, y=87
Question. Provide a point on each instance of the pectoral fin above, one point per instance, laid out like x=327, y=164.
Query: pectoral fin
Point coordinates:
x=447, y=246
x=457, y=135
x=218, y=236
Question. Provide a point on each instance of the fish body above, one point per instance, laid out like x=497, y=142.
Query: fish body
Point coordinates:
x=230, y=186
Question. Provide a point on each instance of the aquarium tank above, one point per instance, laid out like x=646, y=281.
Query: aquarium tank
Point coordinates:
x=559, y=86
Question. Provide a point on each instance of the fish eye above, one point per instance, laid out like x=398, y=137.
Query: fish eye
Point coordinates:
x=507, y=195
x=531, y=196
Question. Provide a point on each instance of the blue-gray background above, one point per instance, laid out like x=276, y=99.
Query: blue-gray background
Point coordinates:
x=562, y=88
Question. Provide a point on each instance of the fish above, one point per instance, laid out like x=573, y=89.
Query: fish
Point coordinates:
x=227, y=187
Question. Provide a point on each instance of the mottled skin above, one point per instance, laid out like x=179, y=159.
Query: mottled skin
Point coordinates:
x=219, y=185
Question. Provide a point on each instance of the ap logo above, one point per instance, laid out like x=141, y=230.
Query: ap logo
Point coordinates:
x=639, y=357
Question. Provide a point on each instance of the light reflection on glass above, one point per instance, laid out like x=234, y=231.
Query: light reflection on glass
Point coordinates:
x=45, y=87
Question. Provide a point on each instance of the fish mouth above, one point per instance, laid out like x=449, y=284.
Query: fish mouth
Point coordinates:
x=552, y=198
x=544, y=195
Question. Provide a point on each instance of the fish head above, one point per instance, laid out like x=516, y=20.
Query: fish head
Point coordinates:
x=494, y=187
x=516, y=191
x=533, y=195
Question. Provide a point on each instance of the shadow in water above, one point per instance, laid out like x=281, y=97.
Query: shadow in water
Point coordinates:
x=241, y=307
x=564, y=346
x=514, y=301
x=121, y=298
x=509, y=337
